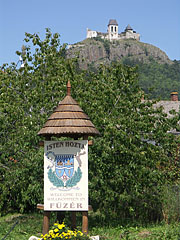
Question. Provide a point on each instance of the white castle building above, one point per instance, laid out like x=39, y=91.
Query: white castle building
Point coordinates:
x=112, y=32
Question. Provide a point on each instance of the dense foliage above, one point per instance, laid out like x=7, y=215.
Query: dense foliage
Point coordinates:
x=158, y=80
x=128, y=164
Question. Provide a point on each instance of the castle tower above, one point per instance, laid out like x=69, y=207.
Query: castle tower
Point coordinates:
x=112, y=29
x=129, y=29
x=130, y=33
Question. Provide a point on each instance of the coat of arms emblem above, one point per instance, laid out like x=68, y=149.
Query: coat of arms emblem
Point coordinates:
x=64, y=174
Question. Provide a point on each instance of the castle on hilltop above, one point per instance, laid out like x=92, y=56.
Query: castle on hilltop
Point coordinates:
x=112, y=32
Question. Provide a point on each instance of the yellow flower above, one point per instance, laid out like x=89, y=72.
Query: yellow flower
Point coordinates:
x=60, y=226
x=56, y=230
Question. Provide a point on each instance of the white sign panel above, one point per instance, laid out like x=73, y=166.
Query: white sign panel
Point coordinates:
x=66, y=175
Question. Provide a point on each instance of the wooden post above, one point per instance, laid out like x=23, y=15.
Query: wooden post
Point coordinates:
x=46, y=219
x=85, y=222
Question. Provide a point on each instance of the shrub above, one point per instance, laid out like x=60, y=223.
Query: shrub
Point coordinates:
x=171, y=203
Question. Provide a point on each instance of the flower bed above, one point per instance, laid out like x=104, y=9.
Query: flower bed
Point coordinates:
x=60, y=231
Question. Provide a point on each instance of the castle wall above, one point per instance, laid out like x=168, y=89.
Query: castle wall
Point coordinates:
x=91, y=34
x=129, y=35
x=112, y=34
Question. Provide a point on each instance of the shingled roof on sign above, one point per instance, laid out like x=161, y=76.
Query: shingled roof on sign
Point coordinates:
x=68, y=120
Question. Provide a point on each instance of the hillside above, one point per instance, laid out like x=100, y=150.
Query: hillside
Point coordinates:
x=93, y=52
x=158, y=75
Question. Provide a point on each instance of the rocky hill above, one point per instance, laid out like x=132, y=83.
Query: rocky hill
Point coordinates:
x=158, y=75
x=93, y=52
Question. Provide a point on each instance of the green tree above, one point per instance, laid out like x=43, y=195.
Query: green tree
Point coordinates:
x=135, y=155
x=28, y=95
x=128, y=163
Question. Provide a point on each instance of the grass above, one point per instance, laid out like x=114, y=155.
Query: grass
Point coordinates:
x=157, y=232
x=31, y=224
x=27, y=225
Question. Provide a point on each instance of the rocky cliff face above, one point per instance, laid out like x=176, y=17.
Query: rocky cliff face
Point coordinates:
x=93, y=52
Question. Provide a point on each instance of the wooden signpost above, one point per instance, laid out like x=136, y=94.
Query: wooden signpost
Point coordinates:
x=66, y=162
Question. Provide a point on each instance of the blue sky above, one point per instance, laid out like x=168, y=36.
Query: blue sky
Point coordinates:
x=158, y=21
